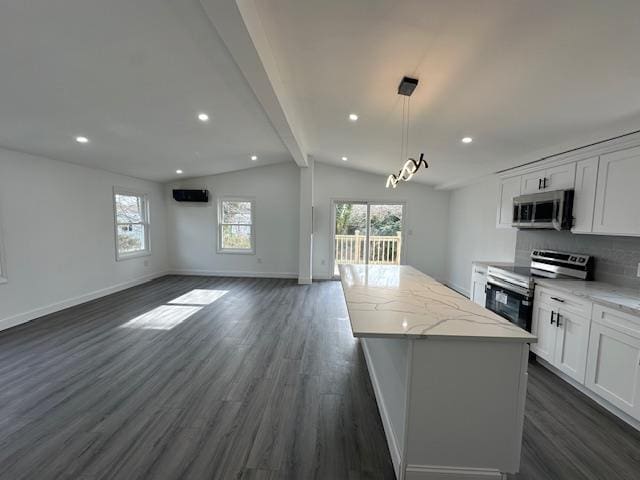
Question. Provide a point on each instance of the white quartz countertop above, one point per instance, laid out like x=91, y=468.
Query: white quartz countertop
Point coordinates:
x=623, y=299
x=486, y=263
x=400, y=301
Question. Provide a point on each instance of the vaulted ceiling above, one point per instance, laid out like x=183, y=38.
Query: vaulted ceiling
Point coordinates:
x=279, y=78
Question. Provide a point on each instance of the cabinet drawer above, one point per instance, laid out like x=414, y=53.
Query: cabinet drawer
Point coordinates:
x=621, y=321
x=564, y=301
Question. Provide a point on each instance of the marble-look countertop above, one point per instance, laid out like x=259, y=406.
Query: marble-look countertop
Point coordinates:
x=623, y=299
x=485, y=263
x=400, y=301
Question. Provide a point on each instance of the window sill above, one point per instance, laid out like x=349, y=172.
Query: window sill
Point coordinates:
x=129, y=256
x=236, y=252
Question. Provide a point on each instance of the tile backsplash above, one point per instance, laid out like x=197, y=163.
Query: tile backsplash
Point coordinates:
x=616, y=258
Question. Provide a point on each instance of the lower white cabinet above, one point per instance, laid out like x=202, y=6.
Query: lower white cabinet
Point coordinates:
x=571, y=344
x=478, y=285
x=563, y=335
x=546, y=331
x=613, y=366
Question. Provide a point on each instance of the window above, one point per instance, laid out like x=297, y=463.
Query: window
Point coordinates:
x=131, y=211
x=235, y=225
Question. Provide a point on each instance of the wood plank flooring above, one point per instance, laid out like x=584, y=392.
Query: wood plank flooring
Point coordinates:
x=264, y=382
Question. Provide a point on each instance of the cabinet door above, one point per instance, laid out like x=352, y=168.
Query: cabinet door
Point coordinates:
x=532, y=182
x=585, y=195
x=613, y=369
x=546, y=332
x=478, y=294
x=571, y=344
x=617, y=193
x=508, y=189
x=560, y=177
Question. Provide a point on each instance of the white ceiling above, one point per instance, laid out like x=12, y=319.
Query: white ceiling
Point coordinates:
x=132, y=76
x=523, y=78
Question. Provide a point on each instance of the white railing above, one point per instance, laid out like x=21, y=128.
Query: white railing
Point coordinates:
x=382, y=250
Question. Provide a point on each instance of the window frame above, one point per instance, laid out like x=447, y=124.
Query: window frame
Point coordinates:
x=146, y=223
x=220, y=224
x=3, y=265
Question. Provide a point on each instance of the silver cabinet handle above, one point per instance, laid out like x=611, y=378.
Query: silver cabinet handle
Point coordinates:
x=558, y=324
x=557, y=299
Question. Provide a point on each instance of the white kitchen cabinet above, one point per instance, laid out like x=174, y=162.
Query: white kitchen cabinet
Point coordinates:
x=618, y=194
x=546, y=331
x=613, y=365
x=562, y=323
x=478, y=285
x=508, y=189
x=571, y=345
x=585, y=195
x=532, y=182
x=559, y=177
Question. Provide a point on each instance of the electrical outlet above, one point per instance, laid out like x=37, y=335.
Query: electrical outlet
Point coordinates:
x=639, y=269
x=324, y=262
x=259, y=260
x=146, y=263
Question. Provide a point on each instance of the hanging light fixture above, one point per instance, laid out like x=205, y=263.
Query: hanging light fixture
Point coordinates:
x=411, y=166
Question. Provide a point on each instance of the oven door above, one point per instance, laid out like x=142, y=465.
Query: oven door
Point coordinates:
x=510, y=304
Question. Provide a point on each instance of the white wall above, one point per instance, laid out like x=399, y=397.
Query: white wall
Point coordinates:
x=473, y=234
x=192, y=227
x=426, y=222
x=59, y=246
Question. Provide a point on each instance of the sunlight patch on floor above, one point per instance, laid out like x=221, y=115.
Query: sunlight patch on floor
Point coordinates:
x=164, y=317
x=198, y=297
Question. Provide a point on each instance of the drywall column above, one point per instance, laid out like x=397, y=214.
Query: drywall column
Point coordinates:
x=306, y=223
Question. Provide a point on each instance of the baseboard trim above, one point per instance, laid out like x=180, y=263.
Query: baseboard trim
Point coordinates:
x=25, y=317
x=457, y=288
x=433, y=472
x=625, y=417
x=218, y=273
x=392, y=442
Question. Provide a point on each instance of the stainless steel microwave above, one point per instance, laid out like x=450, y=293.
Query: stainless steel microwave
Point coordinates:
x=550, y=210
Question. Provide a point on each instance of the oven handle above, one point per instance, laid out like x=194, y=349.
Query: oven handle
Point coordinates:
x=522, y=291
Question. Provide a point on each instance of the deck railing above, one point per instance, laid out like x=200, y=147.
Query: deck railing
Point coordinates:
x=383, y=250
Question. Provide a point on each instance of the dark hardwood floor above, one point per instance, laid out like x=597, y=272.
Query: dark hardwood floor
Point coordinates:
x=263, y=382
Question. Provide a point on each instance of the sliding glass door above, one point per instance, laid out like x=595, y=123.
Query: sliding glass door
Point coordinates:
x=367, y=233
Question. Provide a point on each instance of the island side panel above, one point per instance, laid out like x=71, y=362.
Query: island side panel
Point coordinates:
x=389, y=369
x=466, y=408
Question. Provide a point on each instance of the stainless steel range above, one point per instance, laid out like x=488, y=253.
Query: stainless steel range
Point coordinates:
x=510, y=289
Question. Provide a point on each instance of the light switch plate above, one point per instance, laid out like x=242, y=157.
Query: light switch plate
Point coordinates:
x=638, y=269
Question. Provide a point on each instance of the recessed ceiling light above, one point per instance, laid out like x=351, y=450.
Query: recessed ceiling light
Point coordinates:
x=82, y=140
x=203, y=117
x=353, y=117
x=467, y=140
x=344, y=159
x=254, y=157
x=179, y=172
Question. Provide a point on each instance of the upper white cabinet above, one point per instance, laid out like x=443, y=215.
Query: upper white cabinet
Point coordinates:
x=618, y=194
x=613, y=366
x=508, y=189
x=585, y=195
x=559, y=177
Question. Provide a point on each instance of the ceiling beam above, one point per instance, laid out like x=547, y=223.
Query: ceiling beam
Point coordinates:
x=238, y=24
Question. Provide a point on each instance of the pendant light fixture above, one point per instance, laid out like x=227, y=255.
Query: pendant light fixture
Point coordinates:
x=411, y=166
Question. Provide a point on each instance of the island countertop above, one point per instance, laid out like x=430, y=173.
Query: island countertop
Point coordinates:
x=400, y=301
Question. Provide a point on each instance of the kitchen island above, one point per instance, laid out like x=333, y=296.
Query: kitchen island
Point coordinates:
x=449, y=376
